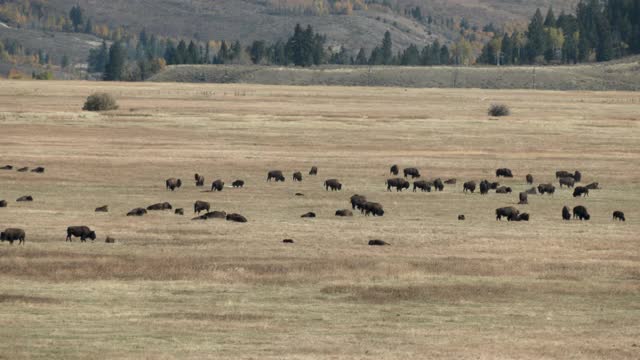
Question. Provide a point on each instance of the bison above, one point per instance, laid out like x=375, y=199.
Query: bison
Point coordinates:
x=580, y=212
x=439, y=185
x=520, y=217
x=378, y=243
x=566, y=214
x=504, y=190
x=275, y=175
x=507, y=212
x=83, y=232
x=137, y=212
x=288, y=241
x=160, y=206
x=313, y=171
x=110, y=240
x=238, y=184
x=461, y=218
x=212, y=215
x=413, y=172
x=424, y=186
x=484, y=187
x=7, y=167
x=332, y=184
x=504, y=172
x=344, y=213
x=371, y=208
x=217, y=185
x=580, y=191
x=297, y=176
x=593, y=186
x=357, y=202
x=179, y=211
x=199, y=180
x=577, y=175
x=451, y=182
x=199, y=206
x=26, y=198
x=618, y=215
x=394, y=170
x=3, y=203
x=173, y=184
x=529, y=179
x=532, y=191
x=546, y=189
x=12, y=235
x=309, y=215
x=397, y=183
x=236, y=218
x=38, y=170
x=23, y=169
x=104, y=208
x=567, y=181
x=524, y=198
x=469, y=186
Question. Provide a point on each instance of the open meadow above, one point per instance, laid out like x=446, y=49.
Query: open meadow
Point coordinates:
x=171, y=287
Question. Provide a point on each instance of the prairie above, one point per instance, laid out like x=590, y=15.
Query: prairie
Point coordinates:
x=175, y=288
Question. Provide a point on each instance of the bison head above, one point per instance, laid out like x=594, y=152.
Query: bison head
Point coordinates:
x=92, y=235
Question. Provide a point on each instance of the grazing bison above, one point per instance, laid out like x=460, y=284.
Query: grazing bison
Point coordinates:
x=371, y=208
x=618, y=215
x=137, y=212
x=238, y=184
x=199, y=180
x=160, y=206
x=504, y=190
x=504, y=172
x=344, y=213
x=567, y=181
x=566, y=214
x=580, y=212
x=332, y=184
x=313, y=171
x=236, y=218
x=7, y=167
x=104, y=208
x=580, y=191
x=297, y=176
x=394, y=170
x=520, y=217
x=24, y=169
x=309, y=215
x=275, y=175
x=179, y=211
x=461, y=218
x=413, y=172
x=38, y=170
x=529, y=179
x=451, y=182
x=83, y=232
x=484, y=187
x=546, y=189
x=524, y=198
x=173, y=184
x=593, y=186
x=439, y=185
x=507, y=212
x=288, y=241
x=358, y=201
x=199, y=206
x=424, y=186
x=217, y=185
x=212, y=215
x=397, y=183
x=12, y=235
x=469, y=186
x=3, y=203
x=378, y=243
x=532, y=191
x=25, y=198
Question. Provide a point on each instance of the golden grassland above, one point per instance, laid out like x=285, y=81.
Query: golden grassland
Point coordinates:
x=174, y=288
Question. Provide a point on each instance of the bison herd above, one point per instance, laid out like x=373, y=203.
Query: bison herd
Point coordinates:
x=358, y=202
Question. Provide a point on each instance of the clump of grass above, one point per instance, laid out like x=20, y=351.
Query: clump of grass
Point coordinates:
x=499, y=110
x=100, y=102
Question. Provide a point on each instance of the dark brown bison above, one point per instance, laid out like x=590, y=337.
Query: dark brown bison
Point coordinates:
x=618, y=215
x=160, y=206
x=38, y=170
x=357, y=202
x=217, y=185
x=7, y=167
x=26, y=198
x=484, y=187
x=546, y=189
x=494, y=185
x=461, y=218
x=83, y=232
x=567, y=181
x=173, y=184
x=104, y=208
x=504, y=190
x=593, y=186
x=313, y=171
x=451, y=182
x=520, y=217
x=424, y=186
x=199, y=180
x=580, y=212
x=439, y=185
x=309, y=215
x=577, y=175
x=199, y=206
x=524, y=198
x=212, y=215
x=371, y=208
x=299, y=194
x=529, y=179
x=344, y=213
x=3, y=203
x=566, y=214
x=580, y=191
x=297, y=176
x=23, y=169
x=275, y=175
x=504, y=172
x=532, y=191
x=413, y=172
x=288, y=241
x=236, y=218
x=394, y=170
x=179, y=211
x=507, y=212
x=238, y=184
x=110, y=240
x=378, y=243
x=12, y=235
x=397, y=183
x=137, y=212
x=332, y=184
x=469, y=186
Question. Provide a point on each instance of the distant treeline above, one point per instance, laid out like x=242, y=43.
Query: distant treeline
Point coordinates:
x=601, y=30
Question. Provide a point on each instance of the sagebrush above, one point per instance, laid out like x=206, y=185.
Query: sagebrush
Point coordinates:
x=100, y=102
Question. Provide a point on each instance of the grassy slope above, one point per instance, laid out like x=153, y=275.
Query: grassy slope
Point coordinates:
x=172, y=288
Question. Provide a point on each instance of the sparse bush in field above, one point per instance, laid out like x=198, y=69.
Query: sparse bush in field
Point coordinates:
x=499, y=110
x=100, y=102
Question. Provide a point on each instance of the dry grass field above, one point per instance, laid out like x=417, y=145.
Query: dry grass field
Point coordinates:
x=174, y=288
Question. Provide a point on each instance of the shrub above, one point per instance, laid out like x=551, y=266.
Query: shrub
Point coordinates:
x=499, y=110
x=100, y=102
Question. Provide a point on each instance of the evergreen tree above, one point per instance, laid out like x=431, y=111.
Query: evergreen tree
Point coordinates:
x=507, y=50
x=386, y=49
x=98, y=58
x=550, y=19
x=361, y=58
x=223, y=53
x=115, y=66
x=410, y=56
x=435, y=53
x=193, y=55
x=77, y=17
x=445, y=56
x=170, y=53
x=536, y=37
x=181, y=53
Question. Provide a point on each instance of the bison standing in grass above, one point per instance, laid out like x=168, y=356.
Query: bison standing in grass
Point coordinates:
x=394, y=170
x=217, y=185
x=566, y=214
x=484, y=187
x=3, y=203
x=199, y=180
x=469, y=186
x=580, y=191
x=413, y=172
x=238, y=184
x=313, y=171
x=199, y=206
x=507, y=212
x=524, y=198
x=580, y=212
x=173, y=184
x=358, y=202
x=439, y=185
x=332, y=184
x=567, y=181
x=297, y=176
x=422, y=185
x=83, y=232
x=529, y=179
x=397, y=183
x=618, y=215
x=504, y=172
x=371, y=208
x=275, y=175
x=12, y=235
x=546, y=189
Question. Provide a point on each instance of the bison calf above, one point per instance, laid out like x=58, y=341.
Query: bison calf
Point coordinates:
x=238, y=184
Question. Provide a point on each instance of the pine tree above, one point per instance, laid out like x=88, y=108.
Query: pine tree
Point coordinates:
x=536, y=37
x=181, y=53
x=361, y=58
x=507, y=50
x=550, y=20
x=386, y=49
x=115, y=66
x=76, y=16
x=435, y=53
